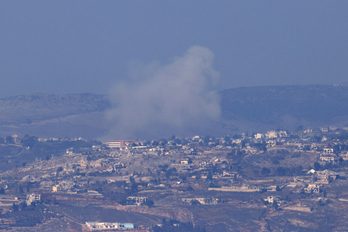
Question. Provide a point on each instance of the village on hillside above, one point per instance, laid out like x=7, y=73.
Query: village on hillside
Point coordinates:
x=187, y=183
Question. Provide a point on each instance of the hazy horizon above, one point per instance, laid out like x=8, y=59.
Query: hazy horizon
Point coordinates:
x=162, y=63
x=74, y=47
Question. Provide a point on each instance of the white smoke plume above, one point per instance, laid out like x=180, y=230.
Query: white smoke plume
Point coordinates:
x=177, y=98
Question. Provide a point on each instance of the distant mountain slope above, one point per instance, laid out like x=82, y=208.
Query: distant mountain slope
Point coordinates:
x=37, y=107
x=54, y=115
x=253, y=109
x=286, y=106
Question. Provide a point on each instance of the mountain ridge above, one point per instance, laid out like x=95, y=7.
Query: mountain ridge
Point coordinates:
x=253, y=109
x=311, y=105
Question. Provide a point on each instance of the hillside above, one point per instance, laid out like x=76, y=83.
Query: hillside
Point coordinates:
x=243, y=109
x=268, y=107
x=54, y=115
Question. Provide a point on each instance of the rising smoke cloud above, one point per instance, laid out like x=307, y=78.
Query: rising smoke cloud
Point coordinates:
x=160, y=101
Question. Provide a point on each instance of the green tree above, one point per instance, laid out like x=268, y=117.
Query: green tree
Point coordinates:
x=210, y=176
x=317, y=166
x=29, y=141
x=265, y=171
x=15, y=207
x=59, y=169
x=22, y=205
x=170, y=172
x=340, y=160
x=134, y=187
x=149, y=203
x=275, y=205
x=9, y=140
x=280, y=171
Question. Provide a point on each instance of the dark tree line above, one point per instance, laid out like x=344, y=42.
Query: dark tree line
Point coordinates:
x=282, y=171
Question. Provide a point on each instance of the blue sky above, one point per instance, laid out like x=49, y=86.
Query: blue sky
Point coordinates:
x=90, y=46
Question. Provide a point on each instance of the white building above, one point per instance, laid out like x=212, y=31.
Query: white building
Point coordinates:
x=328, y=150
x=32, y=198
x=138, y=200
x=258, y=136
x=109, y=226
